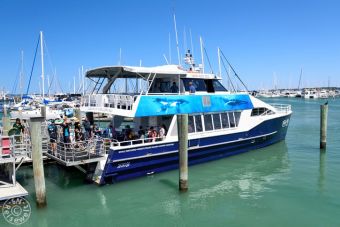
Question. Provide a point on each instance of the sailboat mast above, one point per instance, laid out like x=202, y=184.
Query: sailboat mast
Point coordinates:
x=300, y=79
x=22, y=73
x=74, y=85
x=83, y=78
x=48, y=85
x=42, y=64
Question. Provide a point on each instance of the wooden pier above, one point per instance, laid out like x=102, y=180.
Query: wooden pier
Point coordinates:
x=9, y=187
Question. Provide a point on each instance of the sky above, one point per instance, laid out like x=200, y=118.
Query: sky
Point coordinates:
x=267, y=42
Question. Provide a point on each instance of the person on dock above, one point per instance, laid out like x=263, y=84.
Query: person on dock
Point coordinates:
x=87, y=127
x=66, y=131
x=77, y=129
x=53, y=132
x=96, y=130
x=18, y=127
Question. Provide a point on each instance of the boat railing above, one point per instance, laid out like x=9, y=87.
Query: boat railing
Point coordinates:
x=118, y=101
x=117, y=143
x=282, y=108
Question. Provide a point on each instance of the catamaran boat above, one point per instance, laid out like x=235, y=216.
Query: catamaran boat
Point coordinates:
x=323, y=94
x=220, y=123
x=310, y=94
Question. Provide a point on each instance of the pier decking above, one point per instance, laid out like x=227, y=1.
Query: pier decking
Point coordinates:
x=12, y=191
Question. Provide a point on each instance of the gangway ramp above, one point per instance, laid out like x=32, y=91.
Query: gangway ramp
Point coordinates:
x=78, y=153
x=12, y=191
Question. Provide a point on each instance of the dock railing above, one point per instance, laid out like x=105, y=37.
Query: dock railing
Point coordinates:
x=282, y=108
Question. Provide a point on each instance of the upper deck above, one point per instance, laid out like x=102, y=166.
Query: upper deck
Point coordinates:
x=163, y=90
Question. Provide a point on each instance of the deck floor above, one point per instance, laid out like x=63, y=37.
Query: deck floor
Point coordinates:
x=8, y=192
x=77, y=160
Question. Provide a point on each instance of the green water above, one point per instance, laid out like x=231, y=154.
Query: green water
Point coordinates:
x=287, y=184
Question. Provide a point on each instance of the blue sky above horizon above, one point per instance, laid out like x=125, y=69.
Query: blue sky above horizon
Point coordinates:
x=266, y=41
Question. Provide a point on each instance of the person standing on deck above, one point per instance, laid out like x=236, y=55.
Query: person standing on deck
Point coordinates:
x=174, y=88
x=77, y=129
x=66, y=131
x=53, y=132
x=192, y=88
x=141, y=132
x=18, y=127
x=87, y=127
x=162, y=132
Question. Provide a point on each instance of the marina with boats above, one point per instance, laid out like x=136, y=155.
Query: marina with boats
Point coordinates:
x=114, y=134
x=116, y=139
x=144, y=141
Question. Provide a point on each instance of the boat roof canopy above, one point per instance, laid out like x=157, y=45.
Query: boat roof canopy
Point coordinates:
x=133, y=71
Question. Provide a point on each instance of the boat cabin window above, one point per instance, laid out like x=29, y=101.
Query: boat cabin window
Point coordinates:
x=208, y=122
x=218, y=86
x=195, y=123
x=198, y=123
x=237, y=116
x=217, y=121
x=214, y=121
x=232, y=121
x=225, y=120
x=203, y=85
x=198, y=83
x=191, y=124
x=261, y=111
x=160, y=85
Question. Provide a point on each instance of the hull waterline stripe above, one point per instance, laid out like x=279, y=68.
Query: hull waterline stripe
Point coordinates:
x=192, y=148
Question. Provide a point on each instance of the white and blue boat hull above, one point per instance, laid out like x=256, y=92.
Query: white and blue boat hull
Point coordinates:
x=158, y=157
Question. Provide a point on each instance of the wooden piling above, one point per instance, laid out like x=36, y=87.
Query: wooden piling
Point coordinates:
x=6, y=122
x=4, y=111
x=182, y=126
x=77, y=114
x=38, y=167
x=43, y=111
x=323, y=125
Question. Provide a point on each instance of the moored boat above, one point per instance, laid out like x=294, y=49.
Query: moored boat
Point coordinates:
x=221, y=123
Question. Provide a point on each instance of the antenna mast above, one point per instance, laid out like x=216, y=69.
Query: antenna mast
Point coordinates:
x=179, y=60
x=219, y=62
x=202, y=55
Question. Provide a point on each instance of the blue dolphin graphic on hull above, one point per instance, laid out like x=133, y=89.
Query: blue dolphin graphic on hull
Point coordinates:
x=233, y=102
x=170, y=103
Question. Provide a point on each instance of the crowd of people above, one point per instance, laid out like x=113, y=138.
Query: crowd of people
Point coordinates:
x=127, y=134
x=68, y=132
